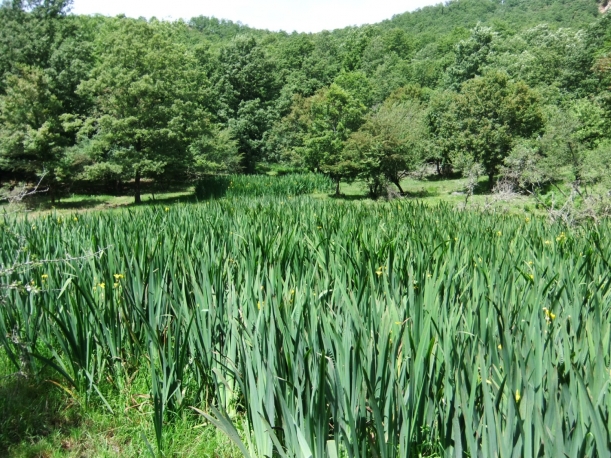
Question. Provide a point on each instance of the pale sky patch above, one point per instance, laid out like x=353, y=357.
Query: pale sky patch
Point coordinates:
x=288, y=15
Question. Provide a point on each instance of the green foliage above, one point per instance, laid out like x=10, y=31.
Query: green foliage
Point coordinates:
x=245, y=73
x=290, y=185
x=399, y=42
x=30, y=131
x=596, y=165
x=29, y=31
x=483, y=122
x=322, y=328
x=472, y=55
x=215, y=153
x=571, y=134
x=516, y=14
x=121, y=100
x=357, y=85
x=574, y=143
x=556, y=61
x=334, y=114
x=303, y=327
x=439, y=127
x=41, y=63
x=246, y=81
x=523, y=166
x=148, y=101
x=389, y=144
x=286, y=140
x=252, y=121
x=219, y=30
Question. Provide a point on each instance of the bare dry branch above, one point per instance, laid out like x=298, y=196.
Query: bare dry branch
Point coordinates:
x=18, y=267
x=17, y=196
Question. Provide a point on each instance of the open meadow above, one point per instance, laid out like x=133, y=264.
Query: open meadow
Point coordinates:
x=279, y=324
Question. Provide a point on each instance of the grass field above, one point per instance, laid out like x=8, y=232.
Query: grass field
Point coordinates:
x=299, y=326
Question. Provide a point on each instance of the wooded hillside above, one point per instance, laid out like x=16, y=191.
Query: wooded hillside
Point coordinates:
x=513, y=87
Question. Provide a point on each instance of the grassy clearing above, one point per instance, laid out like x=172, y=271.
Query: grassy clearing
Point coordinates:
x=80, y=203
x=212, y=187
x=433, y=192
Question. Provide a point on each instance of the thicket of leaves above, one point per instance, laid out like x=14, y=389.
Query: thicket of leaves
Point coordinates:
x=115, y=100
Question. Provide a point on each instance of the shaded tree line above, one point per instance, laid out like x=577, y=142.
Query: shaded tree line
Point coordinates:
x=514, y=88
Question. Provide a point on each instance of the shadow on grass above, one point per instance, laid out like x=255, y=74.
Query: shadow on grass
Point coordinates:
x=442, y=177
x=366, y=196
x=31, y=410
x=99, y=197
x=421, y=193
x=350, y=197
x=103, y=202
x=482, y=188
x=42, y=205
x=168, y=200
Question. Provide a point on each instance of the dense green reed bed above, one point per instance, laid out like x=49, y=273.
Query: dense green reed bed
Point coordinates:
x=263, y=185
x=325, y=328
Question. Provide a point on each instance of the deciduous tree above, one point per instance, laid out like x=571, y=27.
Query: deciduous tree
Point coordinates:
x=389, y=144
x=334, y=113
x=487, y=117
x=149, y=102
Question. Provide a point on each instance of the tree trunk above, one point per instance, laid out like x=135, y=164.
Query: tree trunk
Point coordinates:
x=398, y=185
x=137, y=198
x=337, y=194
x=51, y=187
x=490, y=180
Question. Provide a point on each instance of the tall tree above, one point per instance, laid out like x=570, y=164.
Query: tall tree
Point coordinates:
x=148, y=97
x=334, y=114
x=389, y=144
x=247, y=83
x=486, y=118
x=30, y=139
x=29, y=32
x=39, y=71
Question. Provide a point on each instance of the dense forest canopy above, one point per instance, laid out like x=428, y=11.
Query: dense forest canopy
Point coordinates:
x=512, y=87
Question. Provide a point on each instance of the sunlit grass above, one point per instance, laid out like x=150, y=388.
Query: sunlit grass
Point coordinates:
x=315, y=327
